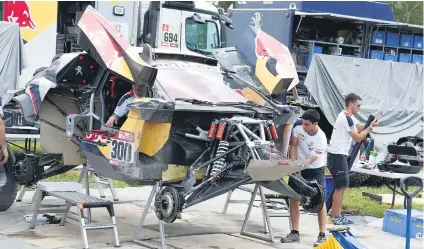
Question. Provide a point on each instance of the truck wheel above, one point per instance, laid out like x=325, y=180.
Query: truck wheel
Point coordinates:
x=9, y=186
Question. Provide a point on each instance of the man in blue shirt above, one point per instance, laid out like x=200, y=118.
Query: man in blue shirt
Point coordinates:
x=121, y=108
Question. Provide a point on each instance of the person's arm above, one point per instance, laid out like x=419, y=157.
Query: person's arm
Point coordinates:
x=293, y=147
x=359, y=136
x=360, y=127
x=294, y=142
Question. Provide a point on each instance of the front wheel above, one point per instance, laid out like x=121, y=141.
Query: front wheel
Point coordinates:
x=8, y=184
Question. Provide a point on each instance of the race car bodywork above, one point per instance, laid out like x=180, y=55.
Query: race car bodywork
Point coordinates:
x=201, y=129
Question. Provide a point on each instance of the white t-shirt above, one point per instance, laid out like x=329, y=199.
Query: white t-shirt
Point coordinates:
x=311, y=145
x=341, y=141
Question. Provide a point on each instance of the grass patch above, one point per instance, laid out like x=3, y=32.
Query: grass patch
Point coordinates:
x=353, y=200
x=73, y=176
x=15, y=146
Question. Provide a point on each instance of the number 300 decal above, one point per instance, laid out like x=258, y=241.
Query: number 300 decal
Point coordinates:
x=121, y=151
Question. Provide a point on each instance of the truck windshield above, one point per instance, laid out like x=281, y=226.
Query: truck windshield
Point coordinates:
x=201, y=37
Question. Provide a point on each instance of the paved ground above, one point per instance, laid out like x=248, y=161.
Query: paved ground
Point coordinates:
x=202, y=227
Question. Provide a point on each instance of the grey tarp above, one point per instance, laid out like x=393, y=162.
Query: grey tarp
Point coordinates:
x=392, y=90
x=12, y=59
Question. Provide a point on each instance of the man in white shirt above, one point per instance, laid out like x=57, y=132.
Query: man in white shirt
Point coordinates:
x=121, y=108
x=308, y=142
x=345, y=129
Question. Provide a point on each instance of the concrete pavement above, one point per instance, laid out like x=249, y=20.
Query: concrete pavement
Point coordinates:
x=203, y=227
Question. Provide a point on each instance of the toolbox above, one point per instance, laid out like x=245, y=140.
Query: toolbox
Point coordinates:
x=392, y=39
x=406, y=58
x=418, y=42
x=394, y=222
x=405, y=40
x=379, y=37
x=389, y=57
x=417, y=58
x=376, y=54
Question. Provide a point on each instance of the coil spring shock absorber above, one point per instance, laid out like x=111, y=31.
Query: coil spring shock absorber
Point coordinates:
x=219, y=164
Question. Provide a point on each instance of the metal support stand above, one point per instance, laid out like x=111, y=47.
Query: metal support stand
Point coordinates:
x=24, y=189
x=155, y=189
x=265, y=215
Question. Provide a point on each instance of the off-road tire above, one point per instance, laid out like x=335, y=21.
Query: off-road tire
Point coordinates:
x=10, y=190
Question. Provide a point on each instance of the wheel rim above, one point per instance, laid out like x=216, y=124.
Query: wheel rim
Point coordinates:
x=167, y=204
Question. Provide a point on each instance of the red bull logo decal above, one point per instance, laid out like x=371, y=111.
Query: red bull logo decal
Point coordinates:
x=19, y=12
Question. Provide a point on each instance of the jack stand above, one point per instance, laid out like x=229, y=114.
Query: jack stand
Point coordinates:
x=155, y=190
x=265, y=215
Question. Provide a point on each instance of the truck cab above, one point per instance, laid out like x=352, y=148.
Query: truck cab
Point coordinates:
x=186, y=27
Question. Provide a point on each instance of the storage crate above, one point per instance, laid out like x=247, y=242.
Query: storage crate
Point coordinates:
x=392, y=39
x=394, y=222
x=416, y=58
x=389, y=57
x=406, y=58
x=376, y=54
x=418, y=41
x=378, y=37
x=405, y=40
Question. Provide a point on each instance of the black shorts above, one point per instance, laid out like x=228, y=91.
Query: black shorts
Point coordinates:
x=337, y=165
x=311, y=174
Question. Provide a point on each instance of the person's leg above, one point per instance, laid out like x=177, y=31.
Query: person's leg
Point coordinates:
x=294, y=214
x=340, y=172
x=319, y=176
x=293, y=236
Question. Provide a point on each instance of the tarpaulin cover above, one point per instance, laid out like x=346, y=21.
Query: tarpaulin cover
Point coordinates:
x=391, y=90
x=12, y=59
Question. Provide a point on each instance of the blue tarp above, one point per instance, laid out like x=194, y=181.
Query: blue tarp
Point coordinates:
x=365, y=9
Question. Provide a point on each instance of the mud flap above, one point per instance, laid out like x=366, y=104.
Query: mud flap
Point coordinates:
x=9, y=189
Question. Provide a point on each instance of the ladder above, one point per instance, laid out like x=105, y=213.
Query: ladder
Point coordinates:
x=70, y=193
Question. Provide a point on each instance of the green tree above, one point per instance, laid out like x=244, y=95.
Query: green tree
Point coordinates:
x=408, y=11
x=223, y=4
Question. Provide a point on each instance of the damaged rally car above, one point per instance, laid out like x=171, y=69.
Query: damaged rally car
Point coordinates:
x=203, y=127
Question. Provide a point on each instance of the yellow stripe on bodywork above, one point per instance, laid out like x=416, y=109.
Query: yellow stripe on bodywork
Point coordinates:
x=120, y=66
x=253, y=96
x=177, y=173
x=268, y=80
x=154, y=137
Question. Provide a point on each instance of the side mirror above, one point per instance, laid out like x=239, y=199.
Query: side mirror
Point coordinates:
x=228, y=22
x=197, y=18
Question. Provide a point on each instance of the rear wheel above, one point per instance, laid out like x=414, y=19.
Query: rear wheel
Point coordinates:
x=8, y=184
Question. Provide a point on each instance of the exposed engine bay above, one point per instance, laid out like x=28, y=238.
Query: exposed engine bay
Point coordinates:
x=201, y=128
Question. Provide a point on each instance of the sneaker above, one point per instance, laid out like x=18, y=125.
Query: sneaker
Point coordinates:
x=292, y=237
x=347, y=221
x=321, y=239
x=339, y=220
